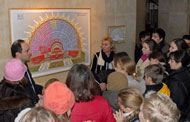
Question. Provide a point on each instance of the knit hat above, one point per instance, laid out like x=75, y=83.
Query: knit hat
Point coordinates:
x=58, y=98
x=14, y=70
x=117, y=81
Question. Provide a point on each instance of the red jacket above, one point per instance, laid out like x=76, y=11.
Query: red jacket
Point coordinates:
x=97, y=110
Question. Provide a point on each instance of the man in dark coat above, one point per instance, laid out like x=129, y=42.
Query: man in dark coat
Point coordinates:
x=21, y=50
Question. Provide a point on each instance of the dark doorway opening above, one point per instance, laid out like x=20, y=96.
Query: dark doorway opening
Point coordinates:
x=151, y=20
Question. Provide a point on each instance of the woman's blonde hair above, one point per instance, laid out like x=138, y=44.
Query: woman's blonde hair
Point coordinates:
x=132, y=98
x=109, y=39
x=39, y=114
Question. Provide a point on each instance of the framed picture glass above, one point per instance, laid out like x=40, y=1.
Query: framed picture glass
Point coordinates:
x=58, y=38
x=117, y=33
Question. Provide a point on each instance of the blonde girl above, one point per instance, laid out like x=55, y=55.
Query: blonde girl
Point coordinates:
x=126, y=66
x=129, y=101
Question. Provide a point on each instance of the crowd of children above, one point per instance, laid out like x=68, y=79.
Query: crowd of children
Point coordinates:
x=114, y=89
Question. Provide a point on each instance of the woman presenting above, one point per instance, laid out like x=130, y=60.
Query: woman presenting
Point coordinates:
x=103, y=60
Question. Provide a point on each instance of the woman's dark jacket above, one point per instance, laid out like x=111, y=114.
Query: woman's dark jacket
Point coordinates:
x=96, y=68
x=13, y=99
x=179, y=84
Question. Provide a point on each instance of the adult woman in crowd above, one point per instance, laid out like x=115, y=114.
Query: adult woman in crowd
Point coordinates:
x=103, y=60
x=88, y=106
x=13, y=97
x=148, y=47
x=178, y=80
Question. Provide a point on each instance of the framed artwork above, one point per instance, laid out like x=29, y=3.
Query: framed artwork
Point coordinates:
x=58, y=38
x=117, y=33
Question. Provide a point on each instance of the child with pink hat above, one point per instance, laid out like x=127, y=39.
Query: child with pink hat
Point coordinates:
x=13, y=97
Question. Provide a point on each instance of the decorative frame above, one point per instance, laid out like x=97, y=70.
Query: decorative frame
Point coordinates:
x=117, y=33
x=58, y=38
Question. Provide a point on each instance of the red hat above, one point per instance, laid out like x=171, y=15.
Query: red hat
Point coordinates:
x=58, y=98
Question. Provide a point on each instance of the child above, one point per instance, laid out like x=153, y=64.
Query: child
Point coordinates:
x=178, y=44
x=158, y=108
x=158, y=35
x=129, y=101
x=143, y=35
x=153, y=76
x=159, y=58
x=126, y=66
x=59, y=99
x=148, y=47
x=39, y=114
x=116, y=82
x=50, y=81
x=88, y=105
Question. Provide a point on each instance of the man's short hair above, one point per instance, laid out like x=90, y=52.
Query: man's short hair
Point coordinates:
x=16, y=47
x=161, y=33
x=156, y=72
x=159, y=108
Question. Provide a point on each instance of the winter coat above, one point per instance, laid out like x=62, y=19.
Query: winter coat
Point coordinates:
x=13, y=99
x=141, y=65
x=160, y=88
x=111, y=97
x=96, y=110
x=101, y=62
x=179, y=84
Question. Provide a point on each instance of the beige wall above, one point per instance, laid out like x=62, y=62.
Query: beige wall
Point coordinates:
x=103, y=13
x=141, y=14
x=173, y=18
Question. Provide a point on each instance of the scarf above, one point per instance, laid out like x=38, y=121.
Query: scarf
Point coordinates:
x=144, y=57
x=103, y=58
